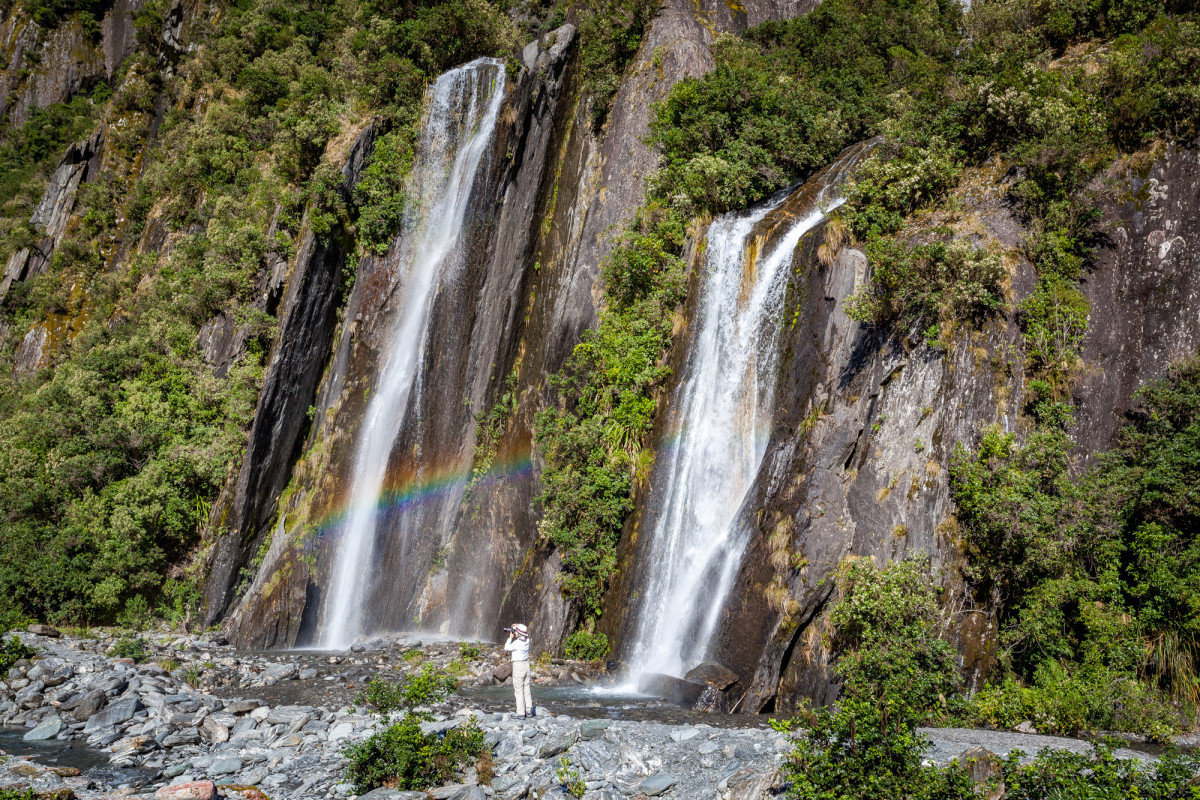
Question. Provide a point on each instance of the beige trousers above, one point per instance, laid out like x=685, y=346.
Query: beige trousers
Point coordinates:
x=520, y=678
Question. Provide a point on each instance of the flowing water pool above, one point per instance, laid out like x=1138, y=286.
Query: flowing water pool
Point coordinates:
x=90, y=762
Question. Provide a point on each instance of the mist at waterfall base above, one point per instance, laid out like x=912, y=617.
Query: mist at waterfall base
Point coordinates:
x=464, y=106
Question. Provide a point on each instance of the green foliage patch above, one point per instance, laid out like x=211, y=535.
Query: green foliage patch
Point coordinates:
x=12, y=650
x=1100, y=572
x=586, y=645
x=401, y=755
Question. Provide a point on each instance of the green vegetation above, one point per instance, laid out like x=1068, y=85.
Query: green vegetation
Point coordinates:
x=17, y=794
x=401, y=756
x=12, y=651
x=592, y=439
x=897, y=674
x=586, y=645
x=610, y=32
x=131, y=647
x=1095, y=577
x=469, y=651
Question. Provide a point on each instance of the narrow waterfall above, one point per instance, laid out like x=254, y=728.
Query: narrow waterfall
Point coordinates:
x=464, y=105
x=723, y=417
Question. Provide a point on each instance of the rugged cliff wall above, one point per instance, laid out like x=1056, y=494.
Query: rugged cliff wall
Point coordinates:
x=858, y=460
x=558, y=198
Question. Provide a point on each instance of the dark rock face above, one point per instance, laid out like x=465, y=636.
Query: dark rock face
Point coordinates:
x=307, y=322
x=471, y=341
x=1144, y=292
x=80, y=163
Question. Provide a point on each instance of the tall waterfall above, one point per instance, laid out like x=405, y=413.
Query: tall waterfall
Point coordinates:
x=724, y=410
x=464, y=105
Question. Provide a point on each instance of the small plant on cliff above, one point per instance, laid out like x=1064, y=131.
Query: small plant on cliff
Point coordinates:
x=584, y=645
x=401, y=755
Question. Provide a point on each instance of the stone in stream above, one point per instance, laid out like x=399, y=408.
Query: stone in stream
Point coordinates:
x=47, y=730
x=502, y=672
x=196, y=790
x=683, y=693
x=118, y=712
x=657, y=784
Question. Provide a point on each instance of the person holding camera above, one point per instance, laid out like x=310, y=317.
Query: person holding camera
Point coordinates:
x=518, y=645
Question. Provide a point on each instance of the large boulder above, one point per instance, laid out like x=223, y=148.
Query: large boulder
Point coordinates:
x=716, y=676
x=681, y=692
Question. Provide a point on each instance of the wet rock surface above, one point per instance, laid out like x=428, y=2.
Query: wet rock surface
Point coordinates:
x=203, y=720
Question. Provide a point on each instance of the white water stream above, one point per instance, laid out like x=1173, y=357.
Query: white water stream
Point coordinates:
x=725, y=410
x=464, y=105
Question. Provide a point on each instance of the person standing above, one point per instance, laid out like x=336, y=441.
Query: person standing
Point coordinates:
x=518, y=645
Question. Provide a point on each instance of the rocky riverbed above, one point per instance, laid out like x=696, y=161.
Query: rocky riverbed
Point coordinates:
x=198, y=719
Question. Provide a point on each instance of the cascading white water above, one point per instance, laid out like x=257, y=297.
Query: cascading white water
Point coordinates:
x=464, y=105
x=724, y=419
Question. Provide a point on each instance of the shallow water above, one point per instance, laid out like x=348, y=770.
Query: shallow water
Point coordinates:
x=607, y=702
x=89, y=761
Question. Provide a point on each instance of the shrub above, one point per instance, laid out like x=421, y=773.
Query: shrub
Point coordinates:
x=931, y=286
x=1099, y=774
x=469, y=651
x=401, y=755
x=585, y=645
x=12, y=650
x=895, y=673
x=131, y=647
x=419, y=688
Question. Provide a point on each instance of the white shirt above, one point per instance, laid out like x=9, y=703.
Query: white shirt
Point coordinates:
x=519, y=647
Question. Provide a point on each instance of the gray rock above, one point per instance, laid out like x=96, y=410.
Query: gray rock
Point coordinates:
x=555, y=743
x=44, y=630
x=657, y=784
x=447, y=792
x=287, y=715
x=1025, y=727
x=392, y=794
x=116, y=713
x=683, y=734
x=46, y=730
x=241, y=706
x=593, y=729
x=225, y=766
x=181, y=738
x=89, y=705
x=706, y=747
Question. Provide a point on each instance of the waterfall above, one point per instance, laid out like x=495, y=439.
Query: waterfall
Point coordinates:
x=723, y=416
x=464, y=105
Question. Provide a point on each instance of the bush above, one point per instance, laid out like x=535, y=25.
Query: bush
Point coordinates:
x=1098, y=573
x=895, y=673
x=420, y=688
x=1100, y=774
x=131, y=647
x=400, y=755
x=12, y=650
x=928, y=286
x=586, y=646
